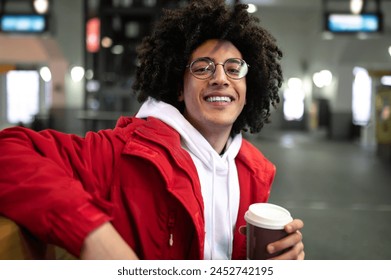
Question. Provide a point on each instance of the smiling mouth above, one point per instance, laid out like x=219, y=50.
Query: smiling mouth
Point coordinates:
x=226, y=99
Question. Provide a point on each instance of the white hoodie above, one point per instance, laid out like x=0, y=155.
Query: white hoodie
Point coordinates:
x=218, y=177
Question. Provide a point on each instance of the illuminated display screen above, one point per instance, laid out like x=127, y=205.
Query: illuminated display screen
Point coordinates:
x=23, y=23
x=349, y=23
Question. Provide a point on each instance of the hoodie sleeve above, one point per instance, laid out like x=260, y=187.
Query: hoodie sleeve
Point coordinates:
x=54, y=184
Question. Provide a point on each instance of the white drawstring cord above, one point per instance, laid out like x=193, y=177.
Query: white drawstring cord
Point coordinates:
x=212, y=245
x=230, y=210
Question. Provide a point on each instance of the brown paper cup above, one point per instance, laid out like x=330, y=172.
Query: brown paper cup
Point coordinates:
x=265, y=224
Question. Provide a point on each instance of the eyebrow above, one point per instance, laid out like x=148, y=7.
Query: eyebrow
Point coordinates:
x=207, y=57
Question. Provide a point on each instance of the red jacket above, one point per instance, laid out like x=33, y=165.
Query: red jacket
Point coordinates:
x=60, y=187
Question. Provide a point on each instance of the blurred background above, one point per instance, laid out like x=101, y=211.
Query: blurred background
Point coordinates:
x=70, y=64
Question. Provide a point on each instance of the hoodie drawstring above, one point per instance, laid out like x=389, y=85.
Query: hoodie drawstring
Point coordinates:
x=212, y=245
x=229, y=186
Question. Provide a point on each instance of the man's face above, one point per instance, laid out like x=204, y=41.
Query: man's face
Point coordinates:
x=213, y=104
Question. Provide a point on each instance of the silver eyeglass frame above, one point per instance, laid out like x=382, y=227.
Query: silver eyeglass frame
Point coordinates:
x=211, y=62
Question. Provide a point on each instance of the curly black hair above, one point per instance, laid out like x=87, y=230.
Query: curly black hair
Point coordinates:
x=163, y=56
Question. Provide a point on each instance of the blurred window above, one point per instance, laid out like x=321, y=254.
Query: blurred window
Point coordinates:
x=361, y=99
x=22, y=96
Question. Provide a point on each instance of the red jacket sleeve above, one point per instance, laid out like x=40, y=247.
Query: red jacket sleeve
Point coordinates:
x=55, y=184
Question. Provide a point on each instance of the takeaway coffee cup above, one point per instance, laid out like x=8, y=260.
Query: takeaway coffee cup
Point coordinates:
x=265, y=224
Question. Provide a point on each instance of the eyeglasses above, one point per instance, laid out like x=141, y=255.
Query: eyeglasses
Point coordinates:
x=203, y=68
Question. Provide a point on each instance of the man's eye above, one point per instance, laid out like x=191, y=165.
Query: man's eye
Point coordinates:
x=233, y=71
x=202, y=69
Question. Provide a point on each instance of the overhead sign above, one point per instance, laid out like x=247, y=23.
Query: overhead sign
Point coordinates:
x=25, y=23
x=350, y=23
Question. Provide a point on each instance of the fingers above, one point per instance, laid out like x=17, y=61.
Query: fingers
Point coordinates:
x=287, y=242
x=295, y=225
x=295, y=253
x=294, y=242
x=302, y=255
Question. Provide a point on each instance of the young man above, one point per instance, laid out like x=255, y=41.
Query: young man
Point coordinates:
x=174, y=181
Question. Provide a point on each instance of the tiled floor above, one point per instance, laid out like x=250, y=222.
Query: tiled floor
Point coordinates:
x=341, y=190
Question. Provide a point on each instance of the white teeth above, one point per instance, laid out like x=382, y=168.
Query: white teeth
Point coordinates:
x=218, y=99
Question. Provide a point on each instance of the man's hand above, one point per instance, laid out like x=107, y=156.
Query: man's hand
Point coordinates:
x=292, y=241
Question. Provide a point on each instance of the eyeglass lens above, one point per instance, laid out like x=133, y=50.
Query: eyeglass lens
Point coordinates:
x=204, y=68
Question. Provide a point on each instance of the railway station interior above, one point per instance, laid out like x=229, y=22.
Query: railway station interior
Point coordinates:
x=69, y=65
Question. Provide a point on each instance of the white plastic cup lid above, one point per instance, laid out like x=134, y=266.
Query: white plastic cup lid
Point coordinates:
x=267, y=215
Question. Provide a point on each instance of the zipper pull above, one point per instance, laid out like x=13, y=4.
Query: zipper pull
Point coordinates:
x=171, y=224
x=171, y=240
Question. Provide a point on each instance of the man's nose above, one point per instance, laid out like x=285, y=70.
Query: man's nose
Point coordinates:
x=219, y=76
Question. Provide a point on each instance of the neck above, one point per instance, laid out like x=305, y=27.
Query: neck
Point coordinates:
x=217, y=140
x=216, y=135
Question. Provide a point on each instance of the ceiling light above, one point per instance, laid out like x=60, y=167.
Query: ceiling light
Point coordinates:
x=45, y=74
x=322, y=79
x=77, y=73
x=356, y=6
x=107, y=42
x=41, y=6
x=117, y=49
x=295, y=83
x=386, y=80
x=252, y=8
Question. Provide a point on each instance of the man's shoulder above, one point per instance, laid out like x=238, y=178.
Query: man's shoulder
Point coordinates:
x=249, y=150
x=252, y=156
x=129, y=126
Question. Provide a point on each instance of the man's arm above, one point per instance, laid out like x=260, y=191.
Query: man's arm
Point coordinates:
x=54, y=184
x=105, y=243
